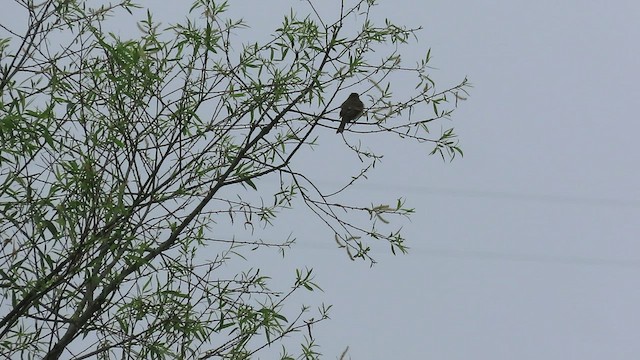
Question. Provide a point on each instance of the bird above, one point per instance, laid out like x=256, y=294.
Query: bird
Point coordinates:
x=350, y=110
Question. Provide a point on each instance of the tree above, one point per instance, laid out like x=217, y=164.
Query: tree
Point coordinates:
x=117, y=156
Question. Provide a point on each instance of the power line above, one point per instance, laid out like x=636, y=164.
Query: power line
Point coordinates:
x=510, y=195
x=533, y=258
x=494, y=255
x=486, y=194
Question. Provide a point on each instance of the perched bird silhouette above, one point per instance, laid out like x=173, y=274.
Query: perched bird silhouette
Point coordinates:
x=350, y=110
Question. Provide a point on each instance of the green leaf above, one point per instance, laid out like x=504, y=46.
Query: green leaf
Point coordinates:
x=250, y=183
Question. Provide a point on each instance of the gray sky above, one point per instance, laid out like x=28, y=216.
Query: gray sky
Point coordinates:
x=526, y=248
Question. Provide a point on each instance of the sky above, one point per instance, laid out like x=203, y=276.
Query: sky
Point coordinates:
x=525, y=248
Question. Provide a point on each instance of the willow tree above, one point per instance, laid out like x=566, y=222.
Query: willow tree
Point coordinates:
x=115, y=152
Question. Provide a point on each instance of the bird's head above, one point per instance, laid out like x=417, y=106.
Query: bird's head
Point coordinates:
x=353, y=96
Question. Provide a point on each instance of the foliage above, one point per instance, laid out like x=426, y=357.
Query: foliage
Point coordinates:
x=119, y=155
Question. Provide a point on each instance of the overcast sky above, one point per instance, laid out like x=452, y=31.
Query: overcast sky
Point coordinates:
x=526, y=248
